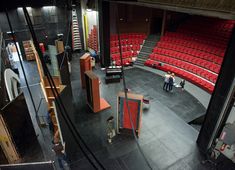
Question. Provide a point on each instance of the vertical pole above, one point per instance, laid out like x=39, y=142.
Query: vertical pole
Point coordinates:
x=163, y=23
x=86, y=30
x=21, y=64
x=104, y=32
x=216, y=112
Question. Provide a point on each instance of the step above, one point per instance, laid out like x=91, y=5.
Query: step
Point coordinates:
x=150, y=43
x=146, y=50
x=139, y=63
x=144, y=53
x=143, y=56
x=141, y=59
x=153, y=37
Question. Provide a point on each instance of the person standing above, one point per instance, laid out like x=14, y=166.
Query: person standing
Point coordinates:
x=182, y=83
x=171, y=81
x=166, y=81
x=58, y=148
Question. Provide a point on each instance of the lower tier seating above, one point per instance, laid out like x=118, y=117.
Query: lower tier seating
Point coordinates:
x=195, y=50
x=130, y=45
x=127, y=57
x=187, y=58
x=200, y=82
x=186, y=66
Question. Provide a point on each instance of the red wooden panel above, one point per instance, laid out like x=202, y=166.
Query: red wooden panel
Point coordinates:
x=133, y=105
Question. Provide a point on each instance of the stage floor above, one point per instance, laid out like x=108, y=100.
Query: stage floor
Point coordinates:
x=166, y=138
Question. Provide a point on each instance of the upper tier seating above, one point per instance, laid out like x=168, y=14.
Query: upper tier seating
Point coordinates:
x=130, y=43
x=195, y=51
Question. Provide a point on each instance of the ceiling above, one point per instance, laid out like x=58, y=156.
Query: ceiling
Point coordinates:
x=12, y=4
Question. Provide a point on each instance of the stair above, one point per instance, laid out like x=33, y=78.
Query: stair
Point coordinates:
x=76, y=41
x=147, y=49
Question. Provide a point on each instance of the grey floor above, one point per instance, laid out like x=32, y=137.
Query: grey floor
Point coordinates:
x=166, y=139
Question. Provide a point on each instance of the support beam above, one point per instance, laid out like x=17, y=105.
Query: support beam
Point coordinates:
x=216, y=112
x=163, y=23
x=104, y=32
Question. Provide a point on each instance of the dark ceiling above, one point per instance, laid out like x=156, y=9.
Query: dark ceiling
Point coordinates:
x=12, y=4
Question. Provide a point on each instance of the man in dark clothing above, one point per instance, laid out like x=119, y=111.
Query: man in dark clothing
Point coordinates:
x=171, y=81
x=182, y=83
x=59, y=151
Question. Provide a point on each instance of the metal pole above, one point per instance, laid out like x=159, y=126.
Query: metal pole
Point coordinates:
x=163, y=23
x=21, y=63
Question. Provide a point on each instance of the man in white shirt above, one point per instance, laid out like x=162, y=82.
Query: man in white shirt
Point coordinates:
x=166, y=81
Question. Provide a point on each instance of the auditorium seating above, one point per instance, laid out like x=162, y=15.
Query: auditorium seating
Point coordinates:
x=195, y=51
x=130, y=43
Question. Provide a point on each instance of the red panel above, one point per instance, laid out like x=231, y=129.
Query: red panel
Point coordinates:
x=133, y=105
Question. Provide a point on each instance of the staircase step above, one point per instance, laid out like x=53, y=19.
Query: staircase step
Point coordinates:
x=145, y=53
x=139, y=63
x=147, y=50
x=141, y=59
x=150, y=43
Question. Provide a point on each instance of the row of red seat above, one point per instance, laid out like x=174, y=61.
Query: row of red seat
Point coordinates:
x=127, y=54
x=204, y=84
x=126, y=62
x=186, y=66
x=223, y=38
x=195, y=45
x=187, y=58
x=125, y=48
x=224, y=33
x=197, y=38
x=130, y=44
x=190, y=51
x=114, y=37
x=225, y=25
x=208, y=25
x=124, y=42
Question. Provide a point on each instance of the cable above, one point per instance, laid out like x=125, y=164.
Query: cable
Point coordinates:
x=57, y=97
x=21, y=64
x=67, y=38
x=125, y=91
x=54, y=87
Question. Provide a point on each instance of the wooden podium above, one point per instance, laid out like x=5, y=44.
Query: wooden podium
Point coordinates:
x=93, y=93
x=85, y=65
x=135, y=103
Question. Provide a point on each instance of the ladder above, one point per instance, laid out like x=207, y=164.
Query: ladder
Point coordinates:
x=76, y=41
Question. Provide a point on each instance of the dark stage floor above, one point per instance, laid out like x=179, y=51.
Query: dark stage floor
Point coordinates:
x=166, y=139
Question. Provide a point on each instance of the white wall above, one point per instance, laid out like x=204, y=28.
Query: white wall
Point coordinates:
x=83, y=7
x=92, y=19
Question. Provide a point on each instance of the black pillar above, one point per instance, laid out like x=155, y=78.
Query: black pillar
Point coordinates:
x=218, y=100
x=104, y=32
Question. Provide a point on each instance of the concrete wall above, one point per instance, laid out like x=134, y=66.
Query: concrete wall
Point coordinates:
x=47, y=24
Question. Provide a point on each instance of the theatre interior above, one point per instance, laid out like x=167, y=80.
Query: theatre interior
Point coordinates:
x=117, y=85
